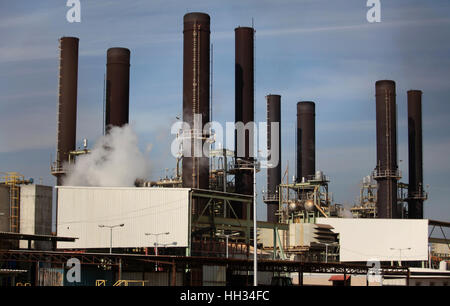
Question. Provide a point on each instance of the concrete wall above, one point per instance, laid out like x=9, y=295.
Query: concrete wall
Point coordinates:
x=36, y=213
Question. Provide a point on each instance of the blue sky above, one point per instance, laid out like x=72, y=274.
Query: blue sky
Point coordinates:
x=324, y=51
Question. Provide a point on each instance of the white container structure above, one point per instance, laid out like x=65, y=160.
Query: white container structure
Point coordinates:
x=363, y=240
x=81, y=210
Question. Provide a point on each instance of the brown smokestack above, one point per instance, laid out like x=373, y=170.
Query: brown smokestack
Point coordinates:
x=67, y=106
x=196, y=57
x=244, y=107
x=415, y=187
x=274, y=173
x=386, y=171
x=117, y=87
x=306, y=140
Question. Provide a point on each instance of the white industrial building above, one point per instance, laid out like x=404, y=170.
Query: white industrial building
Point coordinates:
x=81, y=210
x=363, y=240
x=36, y=214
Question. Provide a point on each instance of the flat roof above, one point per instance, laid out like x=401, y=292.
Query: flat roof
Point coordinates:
x=19, y=236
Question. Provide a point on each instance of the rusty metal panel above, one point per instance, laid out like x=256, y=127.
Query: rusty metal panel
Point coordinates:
x=51, y=277
x=415, y=187
x=386, y=167
x=67, y=106
x=306, y=139
x=117, y=87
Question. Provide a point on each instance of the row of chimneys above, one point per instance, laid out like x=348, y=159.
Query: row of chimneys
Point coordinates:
x=386, y=171
x=196, y=85
x=196, y=57
x=117, y=96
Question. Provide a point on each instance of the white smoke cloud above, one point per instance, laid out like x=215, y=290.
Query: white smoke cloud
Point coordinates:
x=346, y=213
x=114, y=161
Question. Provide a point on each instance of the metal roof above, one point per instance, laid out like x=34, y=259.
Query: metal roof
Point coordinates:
x=19, y=236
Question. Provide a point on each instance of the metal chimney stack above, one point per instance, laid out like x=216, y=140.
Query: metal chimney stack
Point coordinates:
x=416, y=193
x=67, y=106
x=117, y=87
x=196, y=81
x=306, y=140
x=244, y=106
x=273, y=174
x=386, y=171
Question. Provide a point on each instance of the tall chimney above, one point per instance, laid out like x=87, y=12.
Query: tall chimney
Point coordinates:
x=244, y=108
x=386, y=171
x=274, y=173
x=117, y=87
x=67, y=106
x=415, y=188
x=306, y=140
x=196, y=57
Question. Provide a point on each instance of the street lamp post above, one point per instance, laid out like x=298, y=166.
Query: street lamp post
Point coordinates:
x=400, y=250
x=226, y=240
x=110, y=234
x=255, y=255
x=156, y=243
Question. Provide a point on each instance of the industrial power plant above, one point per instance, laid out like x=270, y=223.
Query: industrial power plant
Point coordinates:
x=199, y=227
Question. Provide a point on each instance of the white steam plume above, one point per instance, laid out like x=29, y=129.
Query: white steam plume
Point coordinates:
x=115, y=161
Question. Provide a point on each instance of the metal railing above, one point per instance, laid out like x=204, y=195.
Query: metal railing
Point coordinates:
x=418, y=195
x=271, y=197
x=386, y=174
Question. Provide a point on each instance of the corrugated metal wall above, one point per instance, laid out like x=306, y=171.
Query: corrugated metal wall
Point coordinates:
x=214, y=276
x=36, y=214
x=142, y=210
